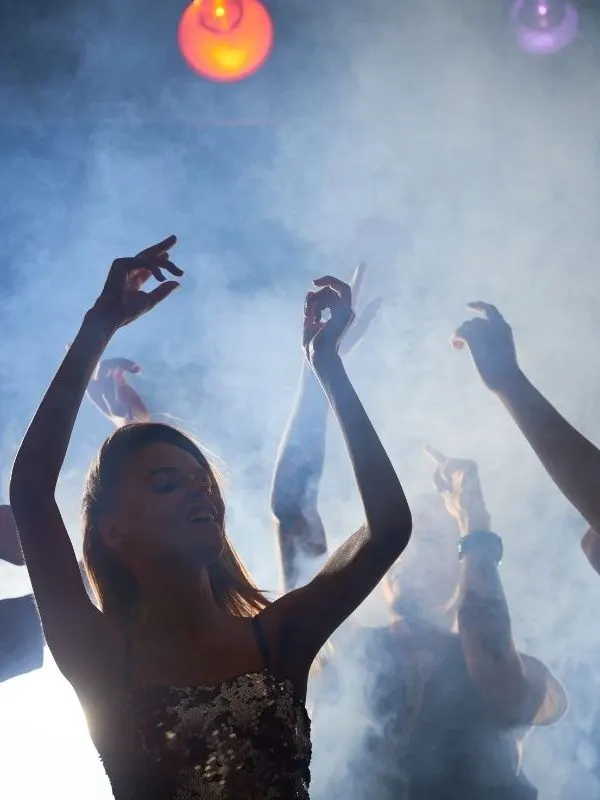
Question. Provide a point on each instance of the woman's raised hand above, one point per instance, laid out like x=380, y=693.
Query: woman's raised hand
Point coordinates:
x=122, y=299
x=322, y=337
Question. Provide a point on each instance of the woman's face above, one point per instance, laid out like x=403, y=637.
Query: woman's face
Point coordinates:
x=168, y=507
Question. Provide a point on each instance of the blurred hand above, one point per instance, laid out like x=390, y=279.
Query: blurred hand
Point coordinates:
x=362, y=321
x=122, y=300
x=10, y=546
x=490, y=342
x=321, y=338
x=113, y=396
x=457, y=482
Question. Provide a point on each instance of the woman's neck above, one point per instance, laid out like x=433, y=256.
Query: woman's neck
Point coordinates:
x=179, y=601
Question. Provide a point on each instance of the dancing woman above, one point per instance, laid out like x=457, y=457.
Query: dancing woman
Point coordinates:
x=192, y=682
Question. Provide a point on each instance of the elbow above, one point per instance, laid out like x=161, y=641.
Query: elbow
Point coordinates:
x=395, y=533
x=288, y=507
x=590, y=544
x=405, y=532
x=403, y=525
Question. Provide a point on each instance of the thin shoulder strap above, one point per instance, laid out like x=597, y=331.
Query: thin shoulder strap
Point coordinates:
x=261, y=640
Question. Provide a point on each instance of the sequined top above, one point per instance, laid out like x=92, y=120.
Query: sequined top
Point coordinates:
x=243, y=739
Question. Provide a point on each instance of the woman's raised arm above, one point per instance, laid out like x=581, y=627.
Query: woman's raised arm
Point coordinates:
x=355, y=569
x=68, y=617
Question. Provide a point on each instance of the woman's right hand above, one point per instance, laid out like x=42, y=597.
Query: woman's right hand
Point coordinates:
x=122, y=300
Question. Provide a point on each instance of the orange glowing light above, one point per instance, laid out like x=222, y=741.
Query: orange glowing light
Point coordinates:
x=225, y=40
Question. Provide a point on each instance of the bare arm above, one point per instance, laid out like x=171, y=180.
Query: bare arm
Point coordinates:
x=299, y=466
x=570, y=459
x=520, y=688
x=296, y=479
x=355, y=569
x=590, y=544
x=514, y=690
x=60, y=593
x=493, y=662
x=74, y=629
x=10, y=547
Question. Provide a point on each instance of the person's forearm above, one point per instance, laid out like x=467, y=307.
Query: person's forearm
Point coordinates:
x=570, y=459
x=483, y=617
x=42, y=452
x=296, y=479
x=484, y=627
x=386, y=509
x=301, y=455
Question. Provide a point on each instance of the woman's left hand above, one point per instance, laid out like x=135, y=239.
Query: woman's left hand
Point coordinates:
x=321, y=338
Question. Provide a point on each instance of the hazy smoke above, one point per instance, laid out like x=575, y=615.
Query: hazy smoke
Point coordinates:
x=411, y=134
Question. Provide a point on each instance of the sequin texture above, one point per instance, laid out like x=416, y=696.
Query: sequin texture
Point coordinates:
x=247, y=738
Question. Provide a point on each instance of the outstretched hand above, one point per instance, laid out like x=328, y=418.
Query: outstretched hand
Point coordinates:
x=113, y=396
x=457, y=482
x=322, y=337
x=363, y=319
x=122, y=299
x=10, y=546
x=489, y=340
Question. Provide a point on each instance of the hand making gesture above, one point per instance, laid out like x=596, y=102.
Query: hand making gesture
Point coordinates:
x=490, y=342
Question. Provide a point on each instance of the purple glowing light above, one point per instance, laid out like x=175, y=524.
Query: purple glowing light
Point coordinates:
x=539, y=30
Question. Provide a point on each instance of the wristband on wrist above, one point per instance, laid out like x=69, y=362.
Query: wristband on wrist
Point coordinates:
x=483, y=543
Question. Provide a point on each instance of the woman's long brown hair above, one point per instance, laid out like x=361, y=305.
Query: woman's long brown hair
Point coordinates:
x=114, y=585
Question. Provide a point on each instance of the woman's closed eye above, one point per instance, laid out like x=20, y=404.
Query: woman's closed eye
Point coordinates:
x=166, y=487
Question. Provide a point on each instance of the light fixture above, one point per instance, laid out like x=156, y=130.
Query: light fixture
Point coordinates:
x=225, y=40
x=544, y=26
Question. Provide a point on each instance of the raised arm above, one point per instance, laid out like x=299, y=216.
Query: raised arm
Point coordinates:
x=519, y=688
x=71, y=623
x=296, y=479
x=570, y=459
x=10, y=547
x=21, y=640
x=299, y=466
x=354, y=570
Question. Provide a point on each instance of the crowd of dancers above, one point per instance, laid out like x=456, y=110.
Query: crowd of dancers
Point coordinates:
x=194, y=684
